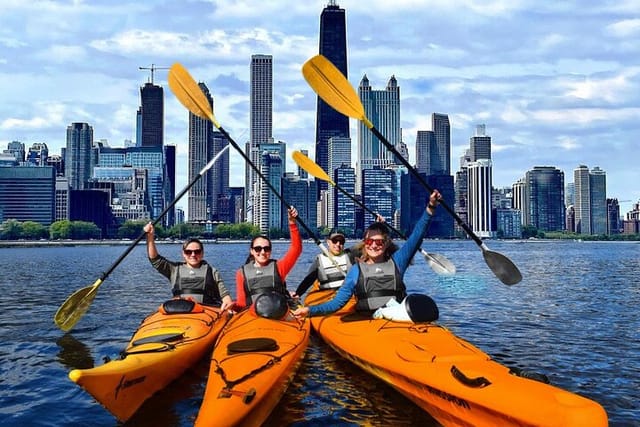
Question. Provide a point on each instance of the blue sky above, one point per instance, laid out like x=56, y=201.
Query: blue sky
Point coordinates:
x=555, y=83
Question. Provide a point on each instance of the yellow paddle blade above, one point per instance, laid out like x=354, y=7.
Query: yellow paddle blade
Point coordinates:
x=311, y=167
x=75, y=306
x=334, y=88
x=185, y=88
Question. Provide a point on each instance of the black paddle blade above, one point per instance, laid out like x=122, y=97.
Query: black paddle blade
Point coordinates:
x=502, y=267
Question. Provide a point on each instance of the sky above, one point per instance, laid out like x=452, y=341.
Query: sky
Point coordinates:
x=555, y=83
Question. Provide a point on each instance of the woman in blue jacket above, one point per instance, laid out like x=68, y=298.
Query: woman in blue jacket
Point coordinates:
x=377, y=277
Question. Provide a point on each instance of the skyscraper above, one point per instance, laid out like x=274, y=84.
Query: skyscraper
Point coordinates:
x=260, y=126
x=382, y=107
x=441, y=155
x=479, y=208
x=598, y=184
x=545, y=191
x=78, y=158
x=333, y=45
x=151, y=115
x=480, y=144
x=582, y=205
x=590, y=200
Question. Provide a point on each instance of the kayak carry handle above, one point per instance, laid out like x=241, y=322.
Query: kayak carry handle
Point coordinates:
x=478, y=382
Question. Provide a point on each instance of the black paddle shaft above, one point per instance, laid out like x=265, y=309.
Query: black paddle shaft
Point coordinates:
x=266, y=181
x=415, y=173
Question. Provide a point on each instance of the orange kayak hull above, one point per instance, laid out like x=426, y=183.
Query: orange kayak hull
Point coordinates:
x=163, y=347
x=455, y=382
x=245, y=384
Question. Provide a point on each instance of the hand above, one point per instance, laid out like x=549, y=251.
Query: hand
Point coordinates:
x=434, y=199
x=149, y=228
x=379, y=218
x=292, y=213
x=301, y=312
x=227, y=304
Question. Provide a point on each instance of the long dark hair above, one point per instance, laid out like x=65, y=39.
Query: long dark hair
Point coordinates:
x=250, y=258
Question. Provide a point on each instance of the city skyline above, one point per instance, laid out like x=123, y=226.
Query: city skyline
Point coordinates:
x=555, y=85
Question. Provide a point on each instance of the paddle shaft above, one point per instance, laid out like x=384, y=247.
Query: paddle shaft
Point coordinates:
x=422, y=181
x=266, y=181
x=163, y=213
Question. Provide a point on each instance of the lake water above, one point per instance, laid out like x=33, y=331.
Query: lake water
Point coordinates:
x=574, y=317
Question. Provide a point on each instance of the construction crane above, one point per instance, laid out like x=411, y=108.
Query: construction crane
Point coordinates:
x=153, y=68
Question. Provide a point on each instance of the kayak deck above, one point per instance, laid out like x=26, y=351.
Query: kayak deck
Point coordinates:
x=454, y=381
x=252, y=364
x=161, y=349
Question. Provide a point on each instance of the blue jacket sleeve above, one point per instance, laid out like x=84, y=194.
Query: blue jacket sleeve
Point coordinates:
x=402, y=257
x=342, y=295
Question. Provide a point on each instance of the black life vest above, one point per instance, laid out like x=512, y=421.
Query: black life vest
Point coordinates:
x=259, y=280
x=196, y=283
x=377, y=284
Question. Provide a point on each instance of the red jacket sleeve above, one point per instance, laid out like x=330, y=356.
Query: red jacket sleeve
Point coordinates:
x=286, y=263
x=241, y=296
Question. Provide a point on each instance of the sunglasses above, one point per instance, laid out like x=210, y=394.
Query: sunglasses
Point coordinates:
x=262, y=248
x=378, y=242
x=337, y=240
x=189, y=252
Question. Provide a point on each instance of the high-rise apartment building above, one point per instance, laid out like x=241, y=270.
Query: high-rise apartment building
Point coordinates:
x=598, y=184
x=260, y=127
x=545, y=193
x=333, y=45
x=479, y=198
x=79, y=155
x=151, y=114
x=590, y=200
x=382, y=107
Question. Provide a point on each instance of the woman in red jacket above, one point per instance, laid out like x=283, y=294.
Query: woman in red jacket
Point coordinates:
x=262, y=274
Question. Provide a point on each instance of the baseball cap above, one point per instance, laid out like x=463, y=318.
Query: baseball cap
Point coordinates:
x=336, y=232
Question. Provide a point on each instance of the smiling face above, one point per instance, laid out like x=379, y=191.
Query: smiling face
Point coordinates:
x=261, y=251
x=375, y=245
x=193, y=253
x=336, y=244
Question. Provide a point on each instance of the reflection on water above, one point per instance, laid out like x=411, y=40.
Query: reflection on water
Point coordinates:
x=573, y=317
x=74, y=354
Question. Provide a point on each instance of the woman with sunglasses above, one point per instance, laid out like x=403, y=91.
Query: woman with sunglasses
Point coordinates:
x=262, y=274
x=192, y=278
x=380, y=268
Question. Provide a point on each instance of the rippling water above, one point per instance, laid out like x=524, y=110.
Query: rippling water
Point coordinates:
x=573, y=318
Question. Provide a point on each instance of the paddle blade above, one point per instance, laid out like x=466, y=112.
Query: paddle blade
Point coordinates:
x=333, y=87
x=502, y=267
x=76, y=306
x=440, y=264
x=185, y=88
x=311, y=167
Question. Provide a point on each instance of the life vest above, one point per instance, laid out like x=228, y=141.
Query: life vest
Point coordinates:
x=377, y=284
x=259, y=280
x=191, y=283
x=330, y=276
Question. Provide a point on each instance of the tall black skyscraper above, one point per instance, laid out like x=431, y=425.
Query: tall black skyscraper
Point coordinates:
x=152, y=115
x=333, y=45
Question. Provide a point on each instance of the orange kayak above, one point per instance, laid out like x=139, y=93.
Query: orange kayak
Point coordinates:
x=167, y=343
x=454, y=381
x=252, y=364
